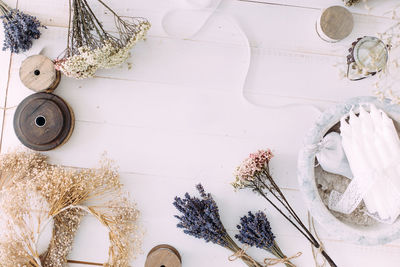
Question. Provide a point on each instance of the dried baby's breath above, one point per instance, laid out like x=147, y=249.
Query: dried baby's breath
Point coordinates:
x=35, y=192
x=91, y=47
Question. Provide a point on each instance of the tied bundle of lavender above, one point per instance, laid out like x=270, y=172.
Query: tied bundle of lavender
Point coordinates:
x=254, y=174
x=20, y=29
x=200, y=218
x=90, y=47
x=255, y=230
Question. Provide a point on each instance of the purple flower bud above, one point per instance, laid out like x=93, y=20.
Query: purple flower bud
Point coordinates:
x=19, y=31
x=200, y=217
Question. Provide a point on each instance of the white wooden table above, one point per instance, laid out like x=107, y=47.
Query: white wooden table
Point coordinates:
x=181, y=115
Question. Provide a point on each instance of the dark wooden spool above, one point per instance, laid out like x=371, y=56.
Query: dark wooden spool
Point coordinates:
x=43, y=121
x=163, y=256
x=39, y=74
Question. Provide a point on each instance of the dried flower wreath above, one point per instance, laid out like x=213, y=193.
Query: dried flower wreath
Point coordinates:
x=35, y=193
x=90, y=47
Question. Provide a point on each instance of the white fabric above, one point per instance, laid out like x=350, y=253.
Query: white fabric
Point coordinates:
x=372, y=146
x=331, y=156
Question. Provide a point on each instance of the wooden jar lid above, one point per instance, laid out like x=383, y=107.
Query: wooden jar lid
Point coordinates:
x=43, y=121
x=163, y=256
x=38, y=73
x=336, y=23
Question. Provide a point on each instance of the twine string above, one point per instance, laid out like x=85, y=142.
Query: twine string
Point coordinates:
x=285, y=260
x=316, y=252
x=241, y=254
x=7, y=108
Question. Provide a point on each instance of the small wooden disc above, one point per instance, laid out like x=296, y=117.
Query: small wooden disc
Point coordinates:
x=39, y=74
x=336, y=22
x=163, y=256
x=43, y=121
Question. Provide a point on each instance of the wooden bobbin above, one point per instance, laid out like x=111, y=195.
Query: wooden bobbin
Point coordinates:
x=163, y=256
x=39, y=74
x=335, y=24
x=43, y=121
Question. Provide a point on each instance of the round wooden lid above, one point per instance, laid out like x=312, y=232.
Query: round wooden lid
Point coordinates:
x=43, y=121
x=163, y=256
x=336, y=22
x=38, y=73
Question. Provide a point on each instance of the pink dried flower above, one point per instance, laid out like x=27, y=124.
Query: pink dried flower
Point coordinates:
x=251, y=166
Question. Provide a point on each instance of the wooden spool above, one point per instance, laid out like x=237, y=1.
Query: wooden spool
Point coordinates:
x=163, y=256
x=335, y=24
x=39, y=74
x=43, y=121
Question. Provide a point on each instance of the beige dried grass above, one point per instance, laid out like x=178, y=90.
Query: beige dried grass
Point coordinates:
x=34, y=193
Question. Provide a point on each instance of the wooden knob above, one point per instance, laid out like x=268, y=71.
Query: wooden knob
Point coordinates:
x=43, y=121
x=335, y=23
x=163, y=256
x=38, y=73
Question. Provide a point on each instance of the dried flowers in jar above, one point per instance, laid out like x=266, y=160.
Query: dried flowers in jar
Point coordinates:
x=367, y=56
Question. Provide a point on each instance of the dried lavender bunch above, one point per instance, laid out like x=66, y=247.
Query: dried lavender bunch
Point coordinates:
x=200, y=218
x=350, y=2
x=254, y=174
x=20, y=29
x=255, y=230
x=90, y=47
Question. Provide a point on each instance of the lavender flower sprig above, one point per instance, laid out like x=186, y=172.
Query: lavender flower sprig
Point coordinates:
x=20, y=29
x=254, y=174
x=200, y=218
x=255, y=230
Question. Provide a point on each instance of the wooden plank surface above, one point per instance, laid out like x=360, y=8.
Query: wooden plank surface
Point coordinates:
x=181, y=115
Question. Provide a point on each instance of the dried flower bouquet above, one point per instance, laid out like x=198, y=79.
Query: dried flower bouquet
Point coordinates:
x=90, y=47
x=254, y=174
x=255, y=230
x=200, y=218
x=20, y=29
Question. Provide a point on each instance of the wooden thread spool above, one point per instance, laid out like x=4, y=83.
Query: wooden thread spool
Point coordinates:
x=39, y=74
x=163, y=256
x=334, y=24
x=43, y=121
